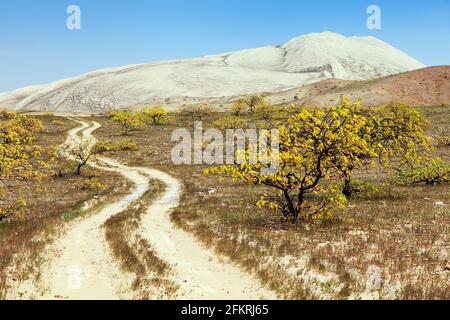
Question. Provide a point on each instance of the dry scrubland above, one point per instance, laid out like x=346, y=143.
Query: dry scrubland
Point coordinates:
x=427, y=86
x=392, y=242
x=61, y=200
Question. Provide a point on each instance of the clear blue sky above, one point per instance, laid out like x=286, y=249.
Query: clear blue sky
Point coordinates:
x=36, y=47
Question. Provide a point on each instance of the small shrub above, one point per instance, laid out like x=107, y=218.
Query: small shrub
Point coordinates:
x=155, y=115
x=90, y=184
x=364, y=188
x=104, y=146
x=254, y=102
x=128, y=121
x=196, y=112
x=266, y=111
x=57, y=122
x=437, y=171
x=239, y=107
x=230, y=122
x=443, y=139
x=7, y=114
x=15, y=211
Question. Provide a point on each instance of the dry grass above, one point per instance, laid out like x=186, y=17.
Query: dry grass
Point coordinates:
x=135, y=254
x=393, y=244
x=22, y=241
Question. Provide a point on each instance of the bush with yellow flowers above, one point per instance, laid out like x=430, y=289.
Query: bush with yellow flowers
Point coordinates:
x=155, y=115
x=436, y=171
x=230, y=122
x=129, y=121
x=319, y=147
x=21, y=160
x=104, y=146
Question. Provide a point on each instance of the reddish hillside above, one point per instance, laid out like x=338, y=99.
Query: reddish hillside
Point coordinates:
x=428, y=86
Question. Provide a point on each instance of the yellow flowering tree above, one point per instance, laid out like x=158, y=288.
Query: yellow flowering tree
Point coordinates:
x=436, y=171
x=239, y=107
x=230, y=122
x=253, y=102
x=155, y=115
x=21, y=160
x=128, y=121
x=395, y=131
x=319, y=147
x=309, y=144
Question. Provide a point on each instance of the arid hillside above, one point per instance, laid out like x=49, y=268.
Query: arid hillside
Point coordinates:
x=424, y=87
x=301, y=61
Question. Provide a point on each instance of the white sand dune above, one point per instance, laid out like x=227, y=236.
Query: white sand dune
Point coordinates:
x=303, y=60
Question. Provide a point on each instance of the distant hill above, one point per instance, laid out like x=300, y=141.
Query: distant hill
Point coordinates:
x=303, y=60
x=428, y=86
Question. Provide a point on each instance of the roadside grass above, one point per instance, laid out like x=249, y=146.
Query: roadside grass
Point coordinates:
x=393, y=244
x=134, y=254
x=61, y=200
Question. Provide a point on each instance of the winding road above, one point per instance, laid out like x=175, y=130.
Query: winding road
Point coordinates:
x=80, y=266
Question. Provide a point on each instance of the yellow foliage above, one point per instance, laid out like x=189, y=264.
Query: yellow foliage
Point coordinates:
x=104, y=146
x=436, y=171
x=129, y=121
x=7, y=114
x=90, y=184
x=21, y=158
x=239, y=107
x=155, y=115
x=230, y=122
x=317, y=147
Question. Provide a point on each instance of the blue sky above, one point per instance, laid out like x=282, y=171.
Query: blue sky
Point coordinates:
x=36, y=47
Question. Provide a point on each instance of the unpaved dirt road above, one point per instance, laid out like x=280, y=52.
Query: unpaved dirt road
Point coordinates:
x=83, y=268
x=200, y=273
x=79, y=265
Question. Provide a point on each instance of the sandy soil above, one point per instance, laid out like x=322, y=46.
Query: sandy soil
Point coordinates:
x=199, y=272
x=79, y=265
x=82, y=267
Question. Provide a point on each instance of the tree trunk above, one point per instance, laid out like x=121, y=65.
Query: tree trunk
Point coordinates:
x=300, y=200
x=291, y=207
x=79, y=169
x=347, y=190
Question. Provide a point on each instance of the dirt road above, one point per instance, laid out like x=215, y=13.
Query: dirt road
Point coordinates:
x=79, y=265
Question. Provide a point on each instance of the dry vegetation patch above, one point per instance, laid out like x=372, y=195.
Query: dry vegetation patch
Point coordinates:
x=392, y=243
x=134, y=254
x=60, y=200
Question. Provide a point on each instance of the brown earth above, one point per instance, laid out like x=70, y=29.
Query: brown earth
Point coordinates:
x=424, y=87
